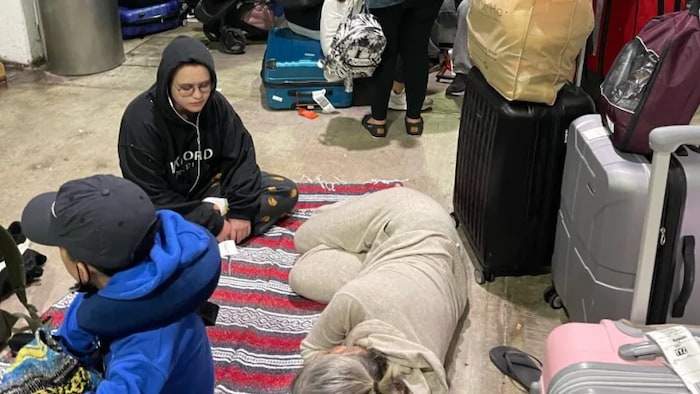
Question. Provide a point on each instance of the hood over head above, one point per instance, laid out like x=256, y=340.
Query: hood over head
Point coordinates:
x=181, y=50
x=414, y=364
x=179, y=275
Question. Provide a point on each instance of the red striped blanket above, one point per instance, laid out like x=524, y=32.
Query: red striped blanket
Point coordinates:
x=261, y=322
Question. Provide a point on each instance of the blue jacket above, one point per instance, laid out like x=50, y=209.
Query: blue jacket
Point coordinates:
x=148, y=316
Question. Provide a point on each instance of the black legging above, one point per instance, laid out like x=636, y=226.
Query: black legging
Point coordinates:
x=278, y=196
x=407, y=28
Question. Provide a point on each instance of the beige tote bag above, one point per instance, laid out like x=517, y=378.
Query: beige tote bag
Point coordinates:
x=527, y=49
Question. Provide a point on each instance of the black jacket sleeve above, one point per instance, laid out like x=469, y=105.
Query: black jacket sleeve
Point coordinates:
x=141, y=162
x=240, y=183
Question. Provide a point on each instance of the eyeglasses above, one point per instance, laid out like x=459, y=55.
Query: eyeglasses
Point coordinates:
x=187, y=90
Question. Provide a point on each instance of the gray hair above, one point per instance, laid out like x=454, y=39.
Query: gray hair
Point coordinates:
x=356, y=373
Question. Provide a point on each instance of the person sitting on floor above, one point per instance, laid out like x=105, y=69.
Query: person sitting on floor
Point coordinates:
x=183, y=143
x=392, y=269
x=141, y=278
x=460, y=54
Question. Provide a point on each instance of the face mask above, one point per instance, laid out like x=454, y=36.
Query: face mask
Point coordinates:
x=84, y=287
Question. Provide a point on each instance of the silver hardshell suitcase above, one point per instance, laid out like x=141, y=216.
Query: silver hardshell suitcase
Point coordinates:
x=596, y=259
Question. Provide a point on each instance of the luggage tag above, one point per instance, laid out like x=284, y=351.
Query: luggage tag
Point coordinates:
x=320, y=98
x=682, y=354
x=227, y=250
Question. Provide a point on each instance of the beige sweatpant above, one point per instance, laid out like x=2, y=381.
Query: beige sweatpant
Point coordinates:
x=342, y=238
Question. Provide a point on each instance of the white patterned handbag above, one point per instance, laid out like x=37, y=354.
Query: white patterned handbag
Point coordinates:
x=356, y=49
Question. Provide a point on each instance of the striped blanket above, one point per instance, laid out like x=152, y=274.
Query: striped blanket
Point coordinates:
x=261, y=322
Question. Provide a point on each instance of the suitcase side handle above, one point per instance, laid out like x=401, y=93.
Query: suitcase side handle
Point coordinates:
x=647, y=350
x=688, y=250
x=663, y=141
x=639, y=351
x=299, y=93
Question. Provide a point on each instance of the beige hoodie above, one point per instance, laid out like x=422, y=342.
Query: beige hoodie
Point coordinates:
x=406, y=303
x=415, y=365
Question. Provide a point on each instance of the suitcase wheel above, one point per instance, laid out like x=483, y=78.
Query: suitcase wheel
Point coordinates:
x=551, y=297
x=482, y=277
x=232, y=41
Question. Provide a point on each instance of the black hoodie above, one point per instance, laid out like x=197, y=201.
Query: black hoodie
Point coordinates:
x=175, y=160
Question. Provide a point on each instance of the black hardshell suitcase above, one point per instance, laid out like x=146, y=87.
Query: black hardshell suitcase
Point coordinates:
x=510, y=160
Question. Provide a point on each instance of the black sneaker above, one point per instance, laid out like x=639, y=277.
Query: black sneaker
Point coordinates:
x=458, y=85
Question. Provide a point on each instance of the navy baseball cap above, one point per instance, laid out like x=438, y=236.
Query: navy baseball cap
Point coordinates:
x=100, y=220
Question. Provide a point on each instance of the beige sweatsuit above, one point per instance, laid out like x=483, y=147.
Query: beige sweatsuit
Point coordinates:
x=392, y=269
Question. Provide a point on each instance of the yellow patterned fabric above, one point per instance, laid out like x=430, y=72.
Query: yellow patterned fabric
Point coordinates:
x=41, y=367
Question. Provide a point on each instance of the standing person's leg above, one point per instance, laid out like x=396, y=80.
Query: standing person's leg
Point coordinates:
x=399, y=79
x=397, y=98
x=278, y=197
x=460, y=53
x=382, y=79
x=414, y=33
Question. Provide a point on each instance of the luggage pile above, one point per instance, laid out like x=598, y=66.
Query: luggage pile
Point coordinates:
x=525, y=211
x=609, y=197
x=606, y=197
x=512, y=134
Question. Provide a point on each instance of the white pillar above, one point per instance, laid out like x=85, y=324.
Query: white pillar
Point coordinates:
x=20, y=41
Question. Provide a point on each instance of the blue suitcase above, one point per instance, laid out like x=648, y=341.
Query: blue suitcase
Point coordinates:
x=291, y=71
x=139, y=22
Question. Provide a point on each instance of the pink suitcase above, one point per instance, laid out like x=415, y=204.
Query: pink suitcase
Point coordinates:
x=605, y=358
x=614, y=357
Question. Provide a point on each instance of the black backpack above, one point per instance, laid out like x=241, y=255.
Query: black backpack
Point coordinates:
x=18, y=281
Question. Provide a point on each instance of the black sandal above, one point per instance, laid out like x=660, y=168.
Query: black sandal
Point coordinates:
x=376, y=130
x=524, y=369
x=414, y=128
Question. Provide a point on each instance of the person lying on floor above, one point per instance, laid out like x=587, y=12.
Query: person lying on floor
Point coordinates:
x=142, y=276
x=391, y=267
x=183, y=143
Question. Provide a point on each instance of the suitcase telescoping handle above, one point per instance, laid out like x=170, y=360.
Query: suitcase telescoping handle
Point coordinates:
x=663, y=141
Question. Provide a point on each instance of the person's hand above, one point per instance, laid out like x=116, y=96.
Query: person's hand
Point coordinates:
x=240, y=229
x=225, y=233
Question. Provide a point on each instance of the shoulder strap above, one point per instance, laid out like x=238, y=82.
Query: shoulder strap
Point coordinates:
x=17, y=278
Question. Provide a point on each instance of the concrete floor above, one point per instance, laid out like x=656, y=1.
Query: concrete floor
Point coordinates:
x=53, y=129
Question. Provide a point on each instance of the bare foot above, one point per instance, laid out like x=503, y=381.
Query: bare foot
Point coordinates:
x=376, y=122
x=413, y=120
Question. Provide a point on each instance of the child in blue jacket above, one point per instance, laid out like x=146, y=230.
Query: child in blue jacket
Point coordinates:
x=142, y=276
